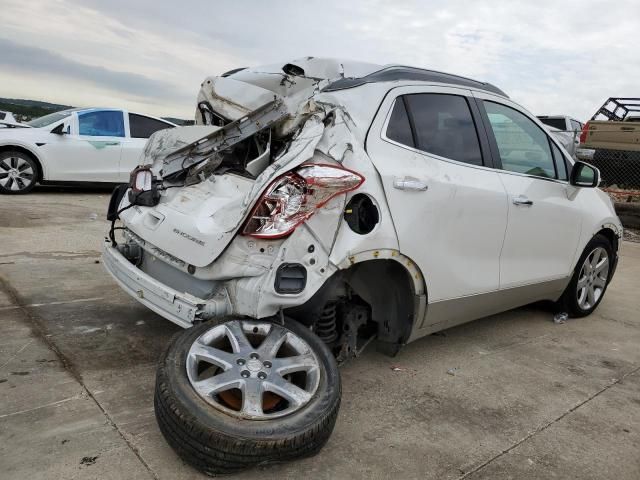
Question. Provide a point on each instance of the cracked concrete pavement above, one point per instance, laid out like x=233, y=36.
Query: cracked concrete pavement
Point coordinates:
x=509, y=396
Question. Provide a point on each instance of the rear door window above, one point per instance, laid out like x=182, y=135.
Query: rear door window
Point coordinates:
x=101, y=124
x=440, y=124
x=142, y=127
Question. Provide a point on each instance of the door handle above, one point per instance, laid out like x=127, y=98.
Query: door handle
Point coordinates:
x=410, y=183
x=112, y=144
x=522, y=200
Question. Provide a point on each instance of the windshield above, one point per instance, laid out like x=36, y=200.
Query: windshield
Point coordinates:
x=49, y=119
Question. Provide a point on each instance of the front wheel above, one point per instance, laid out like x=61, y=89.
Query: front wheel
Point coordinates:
x=18, y=173
x=246, y=392
x=590, y=278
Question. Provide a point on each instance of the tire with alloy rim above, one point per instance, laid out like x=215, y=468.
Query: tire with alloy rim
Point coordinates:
x=18, y=173
x=590, y=278
x=246, y=392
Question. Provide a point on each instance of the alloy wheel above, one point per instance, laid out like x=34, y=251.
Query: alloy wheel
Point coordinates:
x=253, y=369
x=16, y=173
x=592, y=279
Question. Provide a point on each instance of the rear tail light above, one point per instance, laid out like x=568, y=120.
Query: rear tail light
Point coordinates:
x=292, y=198
x=143, y=187
x=141, y=179
x=583, y=134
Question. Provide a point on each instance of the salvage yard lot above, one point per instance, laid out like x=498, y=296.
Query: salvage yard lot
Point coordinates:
x=510, y=396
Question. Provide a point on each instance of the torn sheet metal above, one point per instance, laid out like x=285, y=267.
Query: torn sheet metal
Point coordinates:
x=224, y=138
x=232, y=99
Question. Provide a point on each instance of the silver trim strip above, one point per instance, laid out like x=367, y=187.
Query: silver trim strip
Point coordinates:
x=449, y=313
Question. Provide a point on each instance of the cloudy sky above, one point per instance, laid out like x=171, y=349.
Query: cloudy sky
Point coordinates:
x=149, y=56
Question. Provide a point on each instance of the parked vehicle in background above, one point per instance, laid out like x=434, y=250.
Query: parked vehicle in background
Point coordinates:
x=92, y=145
x=565, y=129
x=8, y=120
x=329, y=204
x=611, y=141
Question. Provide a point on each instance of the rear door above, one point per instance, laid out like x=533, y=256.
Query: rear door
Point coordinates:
x=140, y=128
x=545, y=217
x=448, y=205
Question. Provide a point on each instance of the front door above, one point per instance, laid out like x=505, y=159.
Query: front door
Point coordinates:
x=449, y=207
x=91, y=150
x=544, y=216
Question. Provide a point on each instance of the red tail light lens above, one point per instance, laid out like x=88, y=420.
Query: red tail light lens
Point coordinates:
x=583, y=134
x=292, y=198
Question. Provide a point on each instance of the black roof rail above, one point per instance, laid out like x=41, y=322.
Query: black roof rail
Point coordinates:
x=400, y=72
x=617, y=109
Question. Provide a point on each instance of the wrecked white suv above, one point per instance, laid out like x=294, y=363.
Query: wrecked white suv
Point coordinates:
x=320, y=205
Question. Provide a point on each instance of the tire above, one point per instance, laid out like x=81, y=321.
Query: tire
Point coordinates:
x=570, y=301
x=18, y=173
x=218, y=442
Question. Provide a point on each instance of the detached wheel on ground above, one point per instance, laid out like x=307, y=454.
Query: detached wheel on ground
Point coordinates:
x=246, y=392
x=18, y=173
x=590, y=278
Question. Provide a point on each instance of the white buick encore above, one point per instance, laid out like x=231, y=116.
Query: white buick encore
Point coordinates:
x=323, y=204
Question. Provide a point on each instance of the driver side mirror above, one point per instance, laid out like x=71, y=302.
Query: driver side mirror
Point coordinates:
x=584, y=175
x=61, y=129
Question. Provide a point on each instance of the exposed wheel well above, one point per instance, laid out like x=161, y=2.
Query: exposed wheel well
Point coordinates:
x=384, y=285
x=16, y=148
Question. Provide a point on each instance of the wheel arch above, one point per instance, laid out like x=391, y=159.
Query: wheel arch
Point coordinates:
x=389, y=282
x=26, y=151
x=610, y=234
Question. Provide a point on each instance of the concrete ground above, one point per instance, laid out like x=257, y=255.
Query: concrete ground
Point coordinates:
x=510, y=396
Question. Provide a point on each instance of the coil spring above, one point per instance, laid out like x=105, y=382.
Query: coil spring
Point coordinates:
x=326, y=327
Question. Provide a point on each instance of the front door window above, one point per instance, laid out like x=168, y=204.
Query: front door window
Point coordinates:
x=101, y=124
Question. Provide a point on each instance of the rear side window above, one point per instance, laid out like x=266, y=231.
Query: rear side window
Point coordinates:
x=444, y=126
x=559, y=123
x=399, y=128
x=101, y=124
x=142, y=127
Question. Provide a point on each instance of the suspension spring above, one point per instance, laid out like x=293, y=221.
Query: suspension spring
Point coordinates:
x=326, y=327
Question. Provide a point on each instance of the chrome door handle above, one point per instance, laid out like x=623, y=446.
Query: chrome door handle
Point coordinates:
x=522, y=200
x=410, y=183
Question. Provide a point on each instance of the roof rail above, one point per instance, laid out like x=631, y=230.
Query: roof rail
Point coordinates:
x=401, y=72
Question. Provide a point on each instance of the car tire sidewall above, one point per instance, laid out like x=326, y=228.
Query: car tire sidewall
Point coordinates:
x=34, y=166
x=570, y=297
x=322, y=404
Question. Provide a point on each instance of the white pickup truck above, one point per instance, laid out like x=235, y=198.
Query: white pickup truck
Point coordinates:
x=565, y=129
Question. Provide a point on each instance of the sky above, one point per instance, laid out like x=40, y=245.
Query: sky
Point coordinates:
x=553, y=57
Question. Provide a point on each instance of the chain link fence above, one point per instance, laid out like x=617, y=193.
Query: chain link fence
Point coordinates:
x=620, y=174
x=620, y=170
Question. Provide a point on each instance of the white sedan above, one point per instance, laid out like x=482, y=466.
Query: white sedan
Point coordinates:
x=72, y=146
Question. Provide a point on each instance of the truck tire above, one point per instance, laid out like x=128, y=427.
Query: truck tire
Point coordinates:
x=235, y=419
x=590, y=278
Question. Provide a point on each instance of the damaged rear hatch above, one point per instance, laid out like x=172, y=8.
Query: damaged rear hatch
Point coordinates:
x=257, y=123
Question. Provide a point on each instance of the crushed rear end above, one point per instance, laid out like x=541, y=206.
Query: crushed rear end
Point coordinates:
x=207, y=220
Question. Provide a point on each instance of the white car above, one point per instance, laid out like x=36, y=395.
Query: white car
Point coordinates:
x=94, y=145
x=332, y=203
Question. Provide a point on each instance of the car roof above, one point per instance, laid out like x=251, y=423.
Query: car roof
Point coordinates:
x=392, y=73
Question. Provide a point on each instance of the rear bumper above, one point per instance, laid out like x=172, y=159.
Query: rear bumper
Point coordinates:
x=178, y=307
